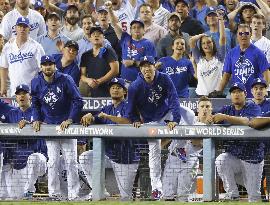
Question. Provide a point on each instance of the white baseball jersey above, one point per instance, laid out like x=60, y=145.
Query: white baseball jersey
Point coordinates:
x=37, y=23
x=209, y=75
x=264, y=45
x=161, y=16
x=23, y=63
x=125, y=15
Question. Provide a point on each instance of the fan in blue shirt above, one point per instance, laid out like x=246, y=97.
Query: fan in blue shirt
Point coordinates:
x=241, y=158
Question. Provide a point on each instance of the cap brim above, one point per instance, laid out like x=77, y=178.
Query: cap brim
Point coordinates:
x=113, y=83
x=23, y=24
x=19, y=90
x=234, y=88
x=259, y=83
x=146, y=62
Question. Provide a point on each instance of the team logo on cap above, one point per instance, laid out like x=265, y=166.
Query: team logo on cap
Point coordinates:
x=145, y=58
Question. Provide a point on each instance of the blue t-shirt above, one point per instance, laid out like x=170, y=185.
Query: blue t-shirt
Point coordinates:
x=265, y=106
x=249, y=151
x=246, y=66
x=134, y=50
x=180, y=72
x=120, y=151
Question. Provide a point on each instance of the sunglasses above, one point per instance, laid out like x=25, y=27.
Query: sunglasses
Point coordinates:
x=243, y=33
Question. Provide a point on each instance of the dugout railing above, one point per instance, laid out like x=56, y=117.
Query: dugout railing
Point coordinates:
x=209, y=134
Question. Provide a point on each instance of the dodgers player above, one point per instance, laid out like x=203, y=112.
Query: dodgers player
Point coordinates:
x=123, y=154
x=56, y=100
x=182, y=165
x=24, y=160
x=153, y=97
x=242, y=163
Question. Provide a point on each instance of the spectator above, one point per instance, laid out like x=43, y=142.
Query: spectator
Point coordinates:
x=37, y=23
x=20, y=58
x=178, y=67
x=174, y=23
x=265, y=8
x=53, y=39
x=71, y=28
x=66, y=62
x=241, y=159
x=160, y=13
x=98, y=66
x=39, y=7
x=244, y=62
x=188, y=24
x=230, y=5
x=153, y=32
x=5, y=6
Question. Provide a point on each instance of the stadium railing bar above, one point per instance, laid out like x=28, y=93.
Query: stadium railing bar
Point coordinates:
x=209, y=134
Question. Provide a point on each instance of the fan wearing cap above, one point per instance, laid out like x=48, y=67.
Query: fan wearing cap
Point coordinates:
x=242, y=162
x=98, y=66
x=21, y=9
x=153, y=97
x=56, y=100
x=39, y=7
x=53, y=39
x=66, y=62
x=20, y=57
x=188, y=25
x=28, y=162
x=123, y=154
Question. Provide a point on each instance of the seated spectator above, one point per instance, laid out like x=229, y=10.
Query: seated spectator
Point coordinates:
x=178, y=67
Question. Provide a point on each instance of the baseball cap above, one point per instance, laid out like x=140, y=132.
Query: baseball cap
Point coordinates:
x=46, y=59
x=22, y=87
x=23, y=20
x=96, y=28
x=247, y=5
x=137, y=21
x=260, y=81
x=174, y=14
x=183, y=1
x=72, y=43
x=238, y=85
x=72, y=6
x=38, y=4
x=102, y=8
x=147, y=59
x=53, y=14
x=119, y=81
x=211, y=10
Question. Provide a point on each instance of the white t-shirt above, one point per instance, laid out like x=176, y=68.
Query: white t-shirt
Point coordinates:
x=37, y=23
x=23, y=63
x=264, y=45
x=209, y=75
x=161, y=17
x=125, y=15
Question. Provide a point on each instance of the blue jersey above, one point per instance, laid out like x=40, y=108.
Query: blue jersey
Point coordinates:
x=55, y=102
x=120, y=151
x=180, y=72
x=153, y=101
x=4, y=109
x=134, y=50
x=252, y=152
x=265, y=106
x=72, y=69
x=16, y=152
x=247, y=66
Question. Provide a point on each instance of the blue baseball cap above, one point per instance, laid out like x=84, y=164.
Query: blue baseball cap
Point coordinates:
x=138, y=22
x=38, y=4
x=22, y=87
x=237, y=85
x=23, y=20
x=259, y=81
x=119, y=81
x=147, y=59
x=46, y=59
x=211, y=10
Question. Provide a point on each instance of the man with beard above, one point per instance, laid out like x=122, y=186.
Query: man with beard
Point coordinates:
x=37, y=23
x=56, y=100
x=5, y=6
x=71, y=28
x=174, y=24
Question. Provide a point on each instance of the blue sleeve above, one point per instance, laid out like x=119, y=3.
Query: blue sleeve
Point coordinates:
x=132, y=113
x=76, y=74
x=190, y=68
x=253, y=111
x=5, y=108
x=196, y=53
x=173, y=100
x=267, y=114
x=227, y=67
x=263, y=64
x=36, y=105
x=150, y=50
x=162, y=68
x=124, y=37
x=77, y=102
x=221, y=53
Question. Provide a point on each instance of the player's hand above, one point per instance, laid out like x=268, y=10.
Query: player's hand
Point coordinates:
x=209, y=120
x=64, y=125
x=108, y=5
x=92, y=83
x=219, y=117
x=102, y=115
x=22, y=124
x=87, y=120
x=128, y=63
x=171, y=125
x=137, y=124
x=36, y=125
